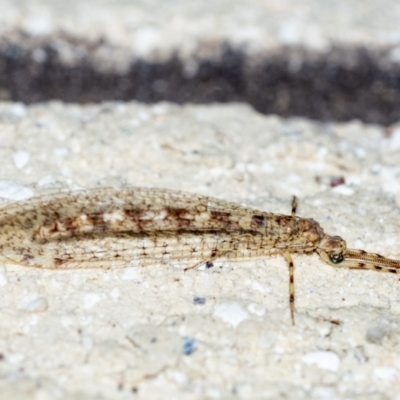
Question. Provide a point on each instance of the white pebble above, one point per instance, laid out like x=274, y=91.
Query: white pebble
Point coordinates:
x=231, y=313
x=21, y=158
x=3, y=279
x=18, y=110
x=91, y=299
x=323, y=359
x=14, y=191
x=37, y=305
x=256, y=309
x=385, y=373
x=343, y=190
x=131, y=273
x=15, y=358
x=394, y=140
x=115, y=293
x=46, y=180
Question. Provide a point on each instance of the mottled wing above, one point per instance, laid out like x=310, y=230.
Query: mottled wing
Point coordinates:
x=109, y=225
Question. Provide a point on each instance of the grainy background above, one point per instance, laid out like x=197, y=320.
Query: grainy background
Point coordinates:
x=157, y=332
x=144, y=331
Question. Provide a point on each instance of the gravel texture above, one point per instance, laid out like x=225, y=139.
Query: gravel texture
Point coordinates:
x=158, y=332
x=156, y=27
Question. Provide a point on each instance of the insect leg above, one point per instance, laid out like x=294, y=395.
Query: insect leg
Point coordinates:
x=291, y=267
x=221, y=249
x=294, y=206
x=289, y=260
x=208, y=262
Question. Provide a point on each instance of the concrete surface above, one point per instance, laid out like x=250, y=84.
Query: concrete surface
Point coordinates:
x=225, y=333
x=154, y=28
x=324, y=60
x=157, y=332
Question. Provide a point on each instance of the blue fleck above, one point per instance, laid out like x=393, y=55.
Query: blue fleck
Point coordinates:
x=189, y=345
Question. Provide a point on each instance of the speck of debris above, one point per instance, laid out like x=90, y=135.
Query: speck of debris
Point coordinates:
x=375, y=334
x=199, y=300
x=337, y=180
x=209, y=264
x=189, y=346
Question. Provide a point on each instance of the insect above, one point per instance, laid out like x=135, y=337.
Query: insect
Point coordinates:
x=109, y=227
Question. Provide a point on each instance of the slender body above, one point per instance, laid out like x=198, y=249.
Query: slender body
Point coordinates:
x=109, y=227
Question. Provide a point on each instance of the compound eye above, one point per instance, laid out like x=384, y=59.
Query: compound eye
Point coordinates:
x=336, y=258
